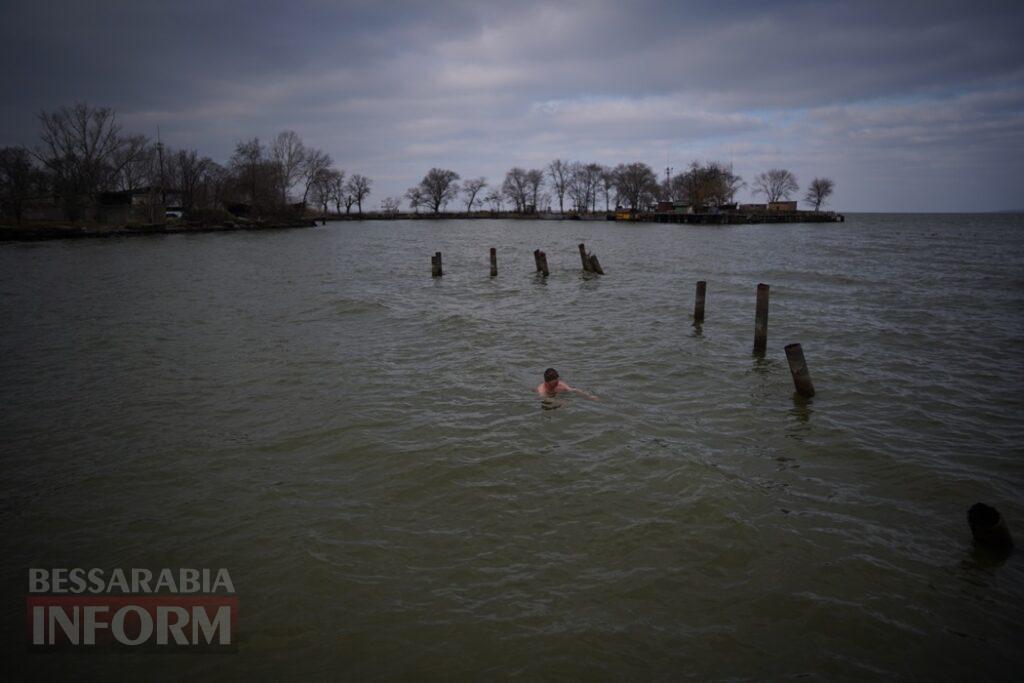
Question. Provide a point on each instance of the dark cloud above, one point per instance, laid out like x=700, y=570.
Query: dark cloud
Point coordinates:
x=925, y=93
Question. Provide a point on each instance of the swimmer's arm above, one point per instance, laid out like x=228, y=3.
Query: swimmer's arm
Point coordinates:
x=580, y=391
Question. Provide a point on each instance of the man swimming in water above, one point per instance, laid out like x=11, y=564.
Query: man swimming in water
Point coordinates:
x=552, y=386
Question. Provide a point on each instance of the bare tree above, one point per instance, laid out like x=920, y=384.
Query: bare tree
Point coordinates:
x=246, y=163
x=470, y=189
x=516, y=188
x=776, y=184
x=495, y=198
x=534, y=181
x=19, y=178
x=415, y=197
x=186, y=172
x=635, y=183
x=288, y=152
x=80, y=147
x=359, y=189
x=321, y=189
x=337, y=190
x=818, y=191
x=389, y=205
x=137, y=165
x=439, y=187
x=314, y=161
x=607, y=185
x=558, y=171
x=710, y=184
x=216, y=187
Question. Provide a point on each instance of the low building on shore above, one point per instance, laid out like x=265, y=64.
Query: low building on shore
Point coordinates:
x=128, y=207
x=782, y=206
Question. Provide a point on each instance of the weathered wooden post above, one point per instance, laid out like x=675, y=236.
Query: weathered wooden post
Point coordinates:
x=989, y=528
x=761, y=320
x=494, y=262
x=536, y=259
x=435, y=265
x=584, y=258
x=595, y=265
x=543, y=263
x=698, y=304
x=798, y=368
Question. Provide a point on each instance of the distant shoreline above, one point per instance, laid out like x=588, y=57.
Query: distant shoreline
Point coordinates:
x=31, y=233
x=54, y=231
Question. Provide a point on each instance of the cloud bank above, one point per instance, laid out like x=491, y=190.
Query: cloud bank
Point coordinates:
x=908, y=106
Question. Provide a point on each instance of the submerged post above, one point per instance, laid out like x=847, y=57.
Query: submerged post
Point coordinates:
x=989, y=528
x=698, y=305
x=584, y=258
x=435, y=265
x=595, y=265
x=543, y=261
x=761, y=320
x=798, y=368
x=494, y=262
x=536, y=259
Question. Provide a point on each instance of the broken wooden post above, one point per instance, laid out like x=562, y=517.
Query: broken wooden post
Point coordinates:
x=698, y=305
x=989, y=528
x=494, y=262
x=536, y=259
x=595, y=265
x=435, y=265
x=543, y=263
x=761, y=320
x=798, y=368
x=584, y=258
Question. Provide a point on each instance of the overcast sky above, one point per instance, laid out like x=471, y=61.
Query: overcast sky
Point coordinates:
x=908, y=106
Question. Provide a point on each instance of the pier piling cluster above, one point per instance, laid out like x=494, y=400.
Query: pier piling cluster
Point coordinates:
x=794, y=352
x=540, y=262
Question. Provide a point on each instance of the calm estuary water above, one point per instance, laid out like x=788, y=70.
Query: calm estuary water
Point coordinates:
x=361, y=446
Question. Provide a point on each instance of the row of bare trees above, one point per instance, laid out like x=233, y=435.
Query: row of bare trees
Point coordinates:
x=83, y=151
x=584, y=187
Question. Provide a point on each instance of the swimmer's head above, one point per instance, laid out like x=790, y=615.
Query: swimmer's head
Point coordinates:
x=551, y=375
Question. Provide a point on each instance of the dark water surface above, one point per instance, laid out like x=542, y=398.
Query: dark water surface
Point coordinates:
x=360, y=445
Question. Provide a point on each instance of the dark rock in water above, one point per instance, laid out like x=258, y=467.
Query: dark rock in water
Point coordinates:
x=989, y=528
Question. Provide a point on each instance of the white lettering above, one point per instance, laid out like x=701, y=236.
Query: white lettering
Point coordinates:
x=58, y=577
x=145, y=628
x=189, y=581
x=70, y=626
x=140, y=580
x=77, y=580
x=91, y=624
x=96, y=580
x=38, y=580
x=176, y=628
x=38, y=625
x=223, y=579
x=221, y=624
x=166, y=581
x=118, y=580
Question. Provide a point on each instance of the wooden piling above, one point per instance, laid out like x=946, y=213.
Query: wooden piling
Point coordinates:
x=698, y=304
x=543, y=263
x=536, y=259
x=595, y=265
x=584, y=258
x=435, y=265
x=798, y=368
x=494, y=262
x=761, y=320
